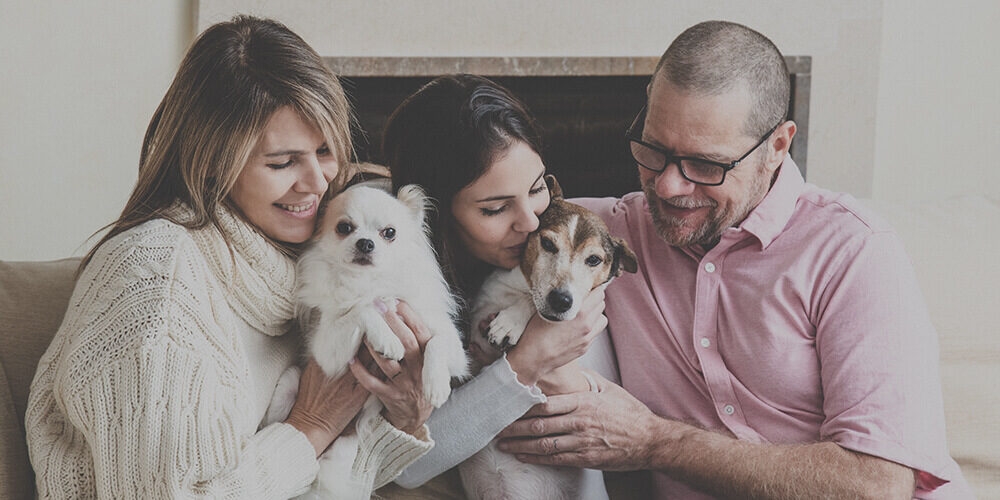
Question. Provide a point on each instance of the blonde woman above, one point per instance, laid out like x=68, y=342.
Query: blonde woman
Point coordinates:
x=178, y=328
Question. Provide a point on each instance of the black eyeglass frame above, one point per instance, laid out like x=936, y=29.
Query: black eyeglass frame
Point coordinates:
x=669, y=158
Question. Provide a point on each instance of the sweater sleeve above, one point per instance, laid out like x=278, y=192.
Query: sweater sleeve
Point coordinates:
x=384, y=451
x=143, y=395
x=165, y=421
x=473, y=415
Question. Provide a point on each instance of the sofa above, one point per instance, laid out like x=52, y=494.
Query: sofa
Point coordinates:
x=950, y=242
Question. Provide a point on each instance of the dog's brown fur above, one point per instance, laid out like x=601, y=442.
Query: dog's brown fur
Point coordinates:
x=590, y=234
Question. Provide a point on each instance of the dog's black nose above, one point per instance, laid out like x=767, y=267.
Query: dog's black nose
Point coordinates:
x=560, y=300
x=365, y=245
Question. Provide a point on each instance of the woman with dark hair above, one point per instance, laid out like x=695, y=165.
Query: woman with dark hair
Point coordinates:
x=475, y=150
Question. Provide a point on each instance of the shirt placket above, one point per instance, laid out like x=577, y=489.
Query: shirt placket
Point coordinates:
x=706, y=342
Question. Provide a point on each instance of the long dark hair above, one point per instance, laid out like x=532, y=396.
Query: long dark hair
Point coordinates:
x=444, y=137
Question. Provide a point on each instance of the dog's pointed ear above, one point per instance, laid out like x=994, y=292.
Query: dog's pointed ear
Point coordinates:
x=624, y=258
x=413, y=197
x=555, y=191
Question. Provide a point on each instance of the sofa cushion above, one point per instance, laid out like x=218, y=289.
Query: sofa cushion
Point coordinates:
x=33, y=299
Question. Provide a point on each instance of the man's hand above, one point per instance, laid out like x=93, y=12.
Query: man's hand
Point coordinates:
x=608, y=430
x=612, y=430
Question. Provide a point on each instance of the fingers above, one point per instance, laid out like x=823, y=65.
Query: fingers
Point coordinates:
x=549, y=445
x=567, y=459
x=539, y=426
x=389, y=367
x=369, y=381
x=594, y=300
x=599, y=325
x=480, y=355
x=484, y=325
x=403, y=331
x=414, y=322
x=556, y=405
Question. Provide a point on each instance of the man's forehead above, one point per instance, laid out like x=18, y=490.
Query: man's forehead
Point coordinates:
x=680, y=114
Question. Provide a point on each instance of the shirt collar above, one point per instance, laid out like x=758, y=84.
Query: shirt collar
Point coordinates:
x=772, y=214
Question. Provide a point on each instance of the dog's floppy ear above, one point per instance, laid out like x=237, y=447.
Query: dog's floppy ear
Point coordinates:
x=624, y=258
x=555, y=191
x=413, y=197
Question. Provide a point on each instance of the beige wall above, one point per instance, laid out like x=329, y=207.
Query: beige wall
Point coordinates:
x=80, y=81
x=938, y=124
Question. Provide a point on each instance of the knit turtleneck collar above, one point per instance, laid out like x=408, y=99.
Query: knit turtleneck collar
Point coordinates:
x=258, y=279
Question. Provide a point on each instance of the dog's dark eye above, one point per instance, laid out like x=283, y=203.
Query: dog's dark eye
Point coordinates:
x=345, y=228
x=388, y=233
x=593, y=261
x=548, y=246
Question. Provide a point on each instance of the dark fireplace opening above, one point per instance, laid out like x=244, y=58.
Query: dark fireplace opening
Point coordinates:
x=582, y=120
x=582, y=105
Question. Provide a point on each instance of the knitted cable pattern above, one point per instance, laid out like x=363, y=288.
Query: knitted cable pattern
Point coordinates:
x=145, y=391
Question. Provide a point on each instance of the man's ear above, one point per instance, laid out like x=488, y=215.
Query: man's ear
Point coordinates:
x=555, y=191
x=624, y=258
x=414, y=198
x=780, y=144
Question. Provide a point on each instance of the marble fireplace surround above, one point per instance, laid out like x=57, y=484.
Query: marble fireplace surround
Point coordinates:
x=548, y=73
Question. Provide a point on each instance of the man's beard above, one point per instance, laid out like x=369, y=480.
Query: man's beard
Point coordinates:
x=678, y=232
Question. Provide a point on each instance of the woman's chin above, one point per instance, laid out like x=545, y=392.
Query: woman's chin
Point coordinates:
x=510, y=263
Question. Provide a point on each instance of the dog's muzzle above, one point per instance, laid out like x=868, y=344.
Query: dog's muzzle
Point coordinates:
x=364, y=245
x=559, y=300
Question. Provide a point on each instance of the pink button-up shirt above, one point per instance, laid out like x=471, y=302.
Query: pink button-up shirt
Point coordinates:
x=803, y=324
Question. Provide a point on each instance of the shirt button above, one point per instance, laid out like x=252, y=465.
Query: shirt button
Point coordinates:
x=729, y=409
x=705, y=342
x=710, y=267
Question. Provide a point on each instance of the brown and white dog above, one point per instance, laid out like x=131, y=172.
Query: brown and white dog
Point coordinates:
x=570, y=254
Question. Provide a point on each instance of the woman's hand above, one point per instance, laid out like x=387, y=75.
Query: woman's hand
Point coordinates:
x=545, y=345
x=399, y=385
x=324, y=406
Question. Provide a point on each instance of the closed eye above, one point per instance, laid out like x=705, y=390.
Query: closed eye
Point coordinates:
x=279, y=166
x=492, y=211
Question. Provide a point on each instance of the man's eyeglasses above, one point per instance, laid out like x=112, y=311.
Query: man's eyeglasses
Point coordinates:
x=696, y=170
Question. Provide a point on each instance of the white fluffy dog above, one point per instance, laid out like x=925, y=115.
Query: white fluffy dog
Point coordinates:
x=369, y=246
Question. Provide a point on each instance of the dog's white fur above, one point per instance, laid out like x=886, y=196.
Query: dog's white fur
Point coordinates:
x=336, y=289
x=491, y=474
x=517, y=294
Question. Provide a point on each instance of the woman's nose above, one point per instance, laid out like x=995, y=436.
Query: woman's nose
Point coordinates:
x=311, y=177
x=527, y=220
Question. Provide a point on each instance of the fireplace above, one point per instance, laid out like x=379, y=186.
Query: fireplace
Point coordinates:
x=582, y=106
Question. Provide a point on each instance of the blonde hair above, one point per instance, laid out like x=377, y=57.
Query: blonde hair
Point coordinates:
x=231, y=81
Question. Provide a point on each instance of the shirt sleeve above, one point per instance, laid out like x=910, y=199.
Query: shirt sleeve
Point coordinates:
x=473, y=415
x=879, y=361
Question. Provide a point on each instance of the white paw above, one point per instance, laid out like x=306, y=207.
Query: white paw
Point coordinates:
x=437, y=384
x=382, y=339
x=505, y=330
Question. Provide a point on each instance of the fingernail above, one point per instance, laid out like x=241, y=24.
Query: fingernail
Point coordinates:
x=380, y=306
x=351, y=362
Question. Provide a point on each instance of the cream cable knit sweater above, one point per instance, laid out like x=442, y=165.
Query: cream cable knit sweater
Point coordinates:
x=146, y=391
